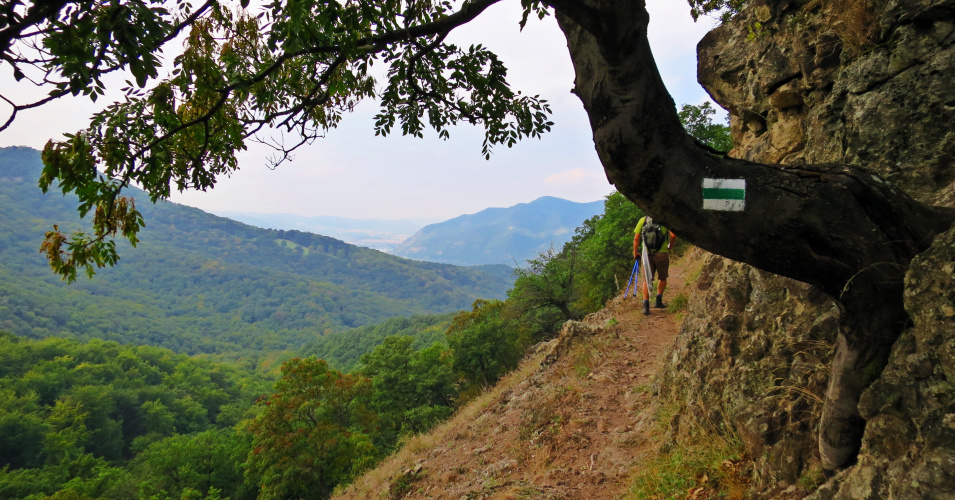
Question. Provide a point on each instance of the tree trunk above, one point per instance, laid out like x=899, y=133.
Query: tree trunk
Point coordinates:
x=837, y=227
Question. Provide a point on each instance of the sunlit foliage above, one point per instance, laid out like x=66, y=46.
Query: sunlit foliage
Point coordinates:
x=413, y=389
x=725, y=9
x=313, y=433
x=698, y=121
x=486, y=343
x=72, y=415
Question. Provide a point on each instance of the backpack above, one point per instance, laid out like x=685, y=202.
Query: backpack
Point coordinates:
x=652, y=235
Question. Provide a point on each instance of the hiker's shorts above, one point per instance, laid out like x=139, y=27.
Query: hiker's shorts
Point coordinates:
x=660, y=264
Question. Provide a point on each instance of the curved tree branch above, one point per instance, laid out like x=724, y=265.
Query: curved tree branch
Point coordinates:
x=794, y=217
x=16, y=24
x=838, y=227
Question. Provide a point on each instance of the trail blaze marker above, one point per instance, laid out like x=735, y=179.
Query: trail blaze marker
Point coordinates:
x=724, y=194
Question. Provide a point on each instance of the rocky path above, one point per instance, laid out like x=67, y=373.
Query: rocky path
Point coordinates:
x=571, y=422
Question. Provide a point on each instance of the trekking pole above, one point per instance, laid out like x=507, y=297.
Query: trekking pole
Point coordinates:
x=634, y=272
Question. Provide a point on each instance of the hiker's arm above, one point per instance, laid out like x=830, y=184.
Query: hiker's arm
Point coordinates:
x=636, y=245
x=672, y=241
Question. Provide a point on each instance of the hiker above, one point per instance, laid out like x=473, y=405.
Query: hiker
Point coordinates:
x=654, y=236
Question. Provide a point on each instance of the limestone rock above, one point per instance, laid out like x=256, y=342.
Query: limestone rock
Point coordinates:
x=570, y=332
x=866, y=83
x=751, y=361
x=878, y=94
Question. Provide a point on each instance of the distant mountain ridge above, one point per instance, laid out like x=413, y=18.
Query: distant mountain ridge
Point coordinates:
x=199, y=283
x=506, y=236
x=379, y=234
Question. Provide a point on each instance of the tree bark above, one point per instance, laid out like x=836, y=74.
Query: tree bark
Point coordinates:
x=838, y=227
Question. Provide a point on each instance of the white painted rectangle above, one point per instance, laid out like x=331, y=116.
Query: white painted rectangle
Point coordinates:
x=724, y=184
x=728, y=195
x=724, y=205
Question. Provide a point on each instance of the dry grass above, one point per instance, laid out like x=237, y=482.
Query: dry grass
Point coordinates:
x=854, y=22
x=802, y=397
x=581, y=402
x=694, y=259
x=584, y=356
x=702, y=464
x=393, y=474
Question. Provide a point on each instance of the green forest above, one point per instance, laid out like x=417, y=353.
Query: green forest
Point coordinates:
x=101, y=420
x=97, y=419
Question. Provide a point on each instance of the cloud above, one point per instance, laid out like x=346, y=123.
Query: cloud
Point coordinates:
x=572, y=177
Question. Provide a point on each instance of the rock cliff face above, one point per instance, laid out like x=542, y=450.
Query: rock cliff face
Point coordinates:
x=752, y=359
x=866, y=82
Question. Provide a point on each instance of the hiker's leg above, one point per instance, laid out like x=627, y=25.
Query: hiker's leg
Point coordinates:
x=646, y=293
x=659, y=302
x=662, y=261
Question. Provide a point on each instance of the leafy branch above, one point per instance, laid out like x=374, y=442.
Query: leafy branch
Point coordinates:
x=295, y=68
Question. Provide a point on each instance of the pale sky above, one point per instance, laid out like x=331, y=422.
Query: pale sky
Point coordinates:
x=352, y=173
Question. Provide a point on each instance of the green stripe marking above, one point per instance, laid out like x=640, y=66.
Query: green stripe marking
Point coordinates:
x=724, y=194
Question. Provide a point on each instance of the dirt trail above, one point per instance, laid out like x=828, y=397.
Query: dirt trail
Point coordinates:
x=571, y=422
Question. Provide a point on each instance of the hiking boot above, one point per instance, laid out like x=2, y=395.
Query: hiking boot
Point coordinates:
x=646, y=307
x=659, y=304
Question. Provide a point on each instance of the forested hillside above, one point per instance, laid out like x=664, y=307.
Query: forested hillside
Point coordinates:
x=343, y=350
x=198, y=283
x=102, y=420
